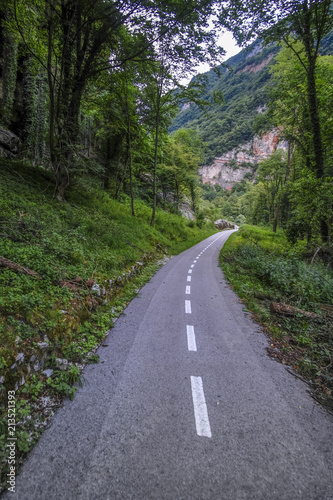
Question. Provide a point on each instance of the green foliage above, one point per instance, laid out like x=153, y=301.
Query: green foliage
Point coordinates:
x=63, y=382
x=260, y=263
x=9, y=72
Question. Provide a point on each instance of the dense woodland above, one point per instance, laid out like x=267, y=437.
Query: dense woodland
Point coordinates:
x=99, y=157
x=92, y=88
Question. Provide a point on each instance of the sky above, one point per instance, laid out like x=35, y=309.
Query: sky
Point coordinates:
x=226, y=41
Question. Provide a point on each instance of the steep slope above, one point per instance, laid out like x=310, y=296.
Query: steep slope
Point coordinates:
x=243, y=84
x=242, y=161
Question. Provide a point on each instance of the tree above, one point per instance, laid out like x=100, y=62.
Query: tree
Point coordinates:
x=182, y=156
x=274, y=174
x=76, y=40
x=302, y=26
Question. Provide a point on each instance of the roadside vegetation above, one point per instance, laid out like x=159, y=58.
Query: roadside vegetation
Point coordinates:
x=291, y=295
x=67, y=272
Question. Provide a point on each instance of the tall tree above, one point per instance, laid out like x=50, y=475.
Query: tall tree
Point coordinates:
x=305, y=21
x=75, y=40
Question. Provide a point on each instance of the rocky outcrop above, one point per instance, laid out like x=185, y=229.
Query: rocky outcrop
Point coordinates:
x=9, y=143
x=224, y=224
x=222, y=174
x=254, y=68
x=232, y=166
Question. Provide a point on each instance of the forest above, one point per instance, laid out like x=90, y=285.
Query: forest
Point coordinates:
x=100, y=147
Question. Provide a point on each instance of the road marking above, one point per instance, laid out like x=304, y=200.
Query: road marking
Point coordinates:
x=200, y=408
x=189, y=271
x=189, y=278
x=195, y=261
x=188, y=290
x=188, y=307
x=191, y=343
x=192, y=265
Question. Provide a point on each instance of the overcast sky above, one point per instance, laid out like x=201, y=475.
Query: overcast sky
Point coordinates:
x=226, y=41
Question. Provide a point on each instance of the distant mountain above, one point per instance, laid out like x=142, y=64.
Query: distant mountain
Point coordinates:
x=244, y=85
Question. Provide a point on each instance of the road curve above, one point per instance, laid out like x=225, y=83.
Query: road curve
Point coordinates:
x=185, y=404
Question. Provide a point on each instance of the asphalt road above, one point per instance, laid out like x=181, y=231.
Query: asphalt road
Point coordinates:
x=185, y=404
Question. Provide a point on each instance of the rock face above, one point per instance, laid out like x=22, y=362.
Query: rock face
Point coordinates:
x=229, y=168
x=223, y=224
x=221, y=173
x=9, y=143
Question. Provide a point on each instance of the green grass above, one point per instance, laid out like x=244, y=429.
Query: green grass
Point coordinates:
x=263, y=268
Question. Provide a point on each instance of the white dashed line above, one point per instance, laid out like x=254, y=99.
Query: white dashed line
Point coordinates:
x=188, y=290
x=200, y=408
x=189, y=278
x=188, y=307
x=195, y=261
x=191, y=343
x=189, y=271
x=192, y=265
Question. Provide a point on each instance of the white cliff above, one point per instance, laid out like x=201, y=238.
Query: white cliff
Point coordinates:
x=230, y=167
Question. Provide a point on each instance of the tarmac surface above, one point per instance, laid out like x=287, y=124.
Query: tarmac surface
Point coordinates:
x=185, y=404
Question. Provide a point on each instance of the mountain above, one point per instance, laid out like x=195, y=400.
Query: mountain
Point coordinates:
x=243, y=83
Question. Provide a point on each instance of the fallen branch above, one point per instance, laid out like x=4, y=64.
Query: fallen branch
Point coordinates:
x=287, y=310
x=315, y=255
x=327, y=309
x=17, y=267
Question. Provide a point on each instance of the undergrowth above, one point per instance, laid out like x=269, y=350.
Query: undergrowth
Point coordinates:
x=264, y=269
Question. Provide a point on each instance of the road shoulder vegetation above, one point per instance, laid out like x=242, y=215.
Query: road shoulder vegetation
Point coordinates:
x=291, y=297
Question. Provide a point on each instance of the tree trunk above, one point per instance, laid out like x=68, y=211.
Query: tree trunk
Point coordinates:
x=129, y=142
x=279, y=202
x=157, y=123
x=318, y=149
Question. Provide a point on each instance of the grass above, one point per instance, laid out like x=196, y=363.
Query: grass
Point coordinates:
x=91, y=238
x=264, y=268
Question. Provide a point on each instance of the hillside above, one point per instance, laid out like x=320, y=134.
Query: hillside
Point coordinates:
x=244, y=83
x=225, y=127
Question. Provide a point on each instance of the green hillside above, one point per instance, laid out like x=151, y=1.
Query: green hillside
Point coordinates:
x=68, y=269
x=244, y=89
x=244, y=83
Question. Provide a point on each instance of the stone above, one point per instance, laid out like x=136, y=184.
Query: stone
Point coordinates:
x=96, y=288
x=2, y=379
x=223, y=224
x=62, y=363
x=20, y=358
x=48, y=373
x=43, y=345
x=9, y=143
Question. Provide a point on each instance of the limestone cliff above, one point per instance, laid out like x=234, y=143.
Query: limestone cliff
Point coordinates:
x=231, y=167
